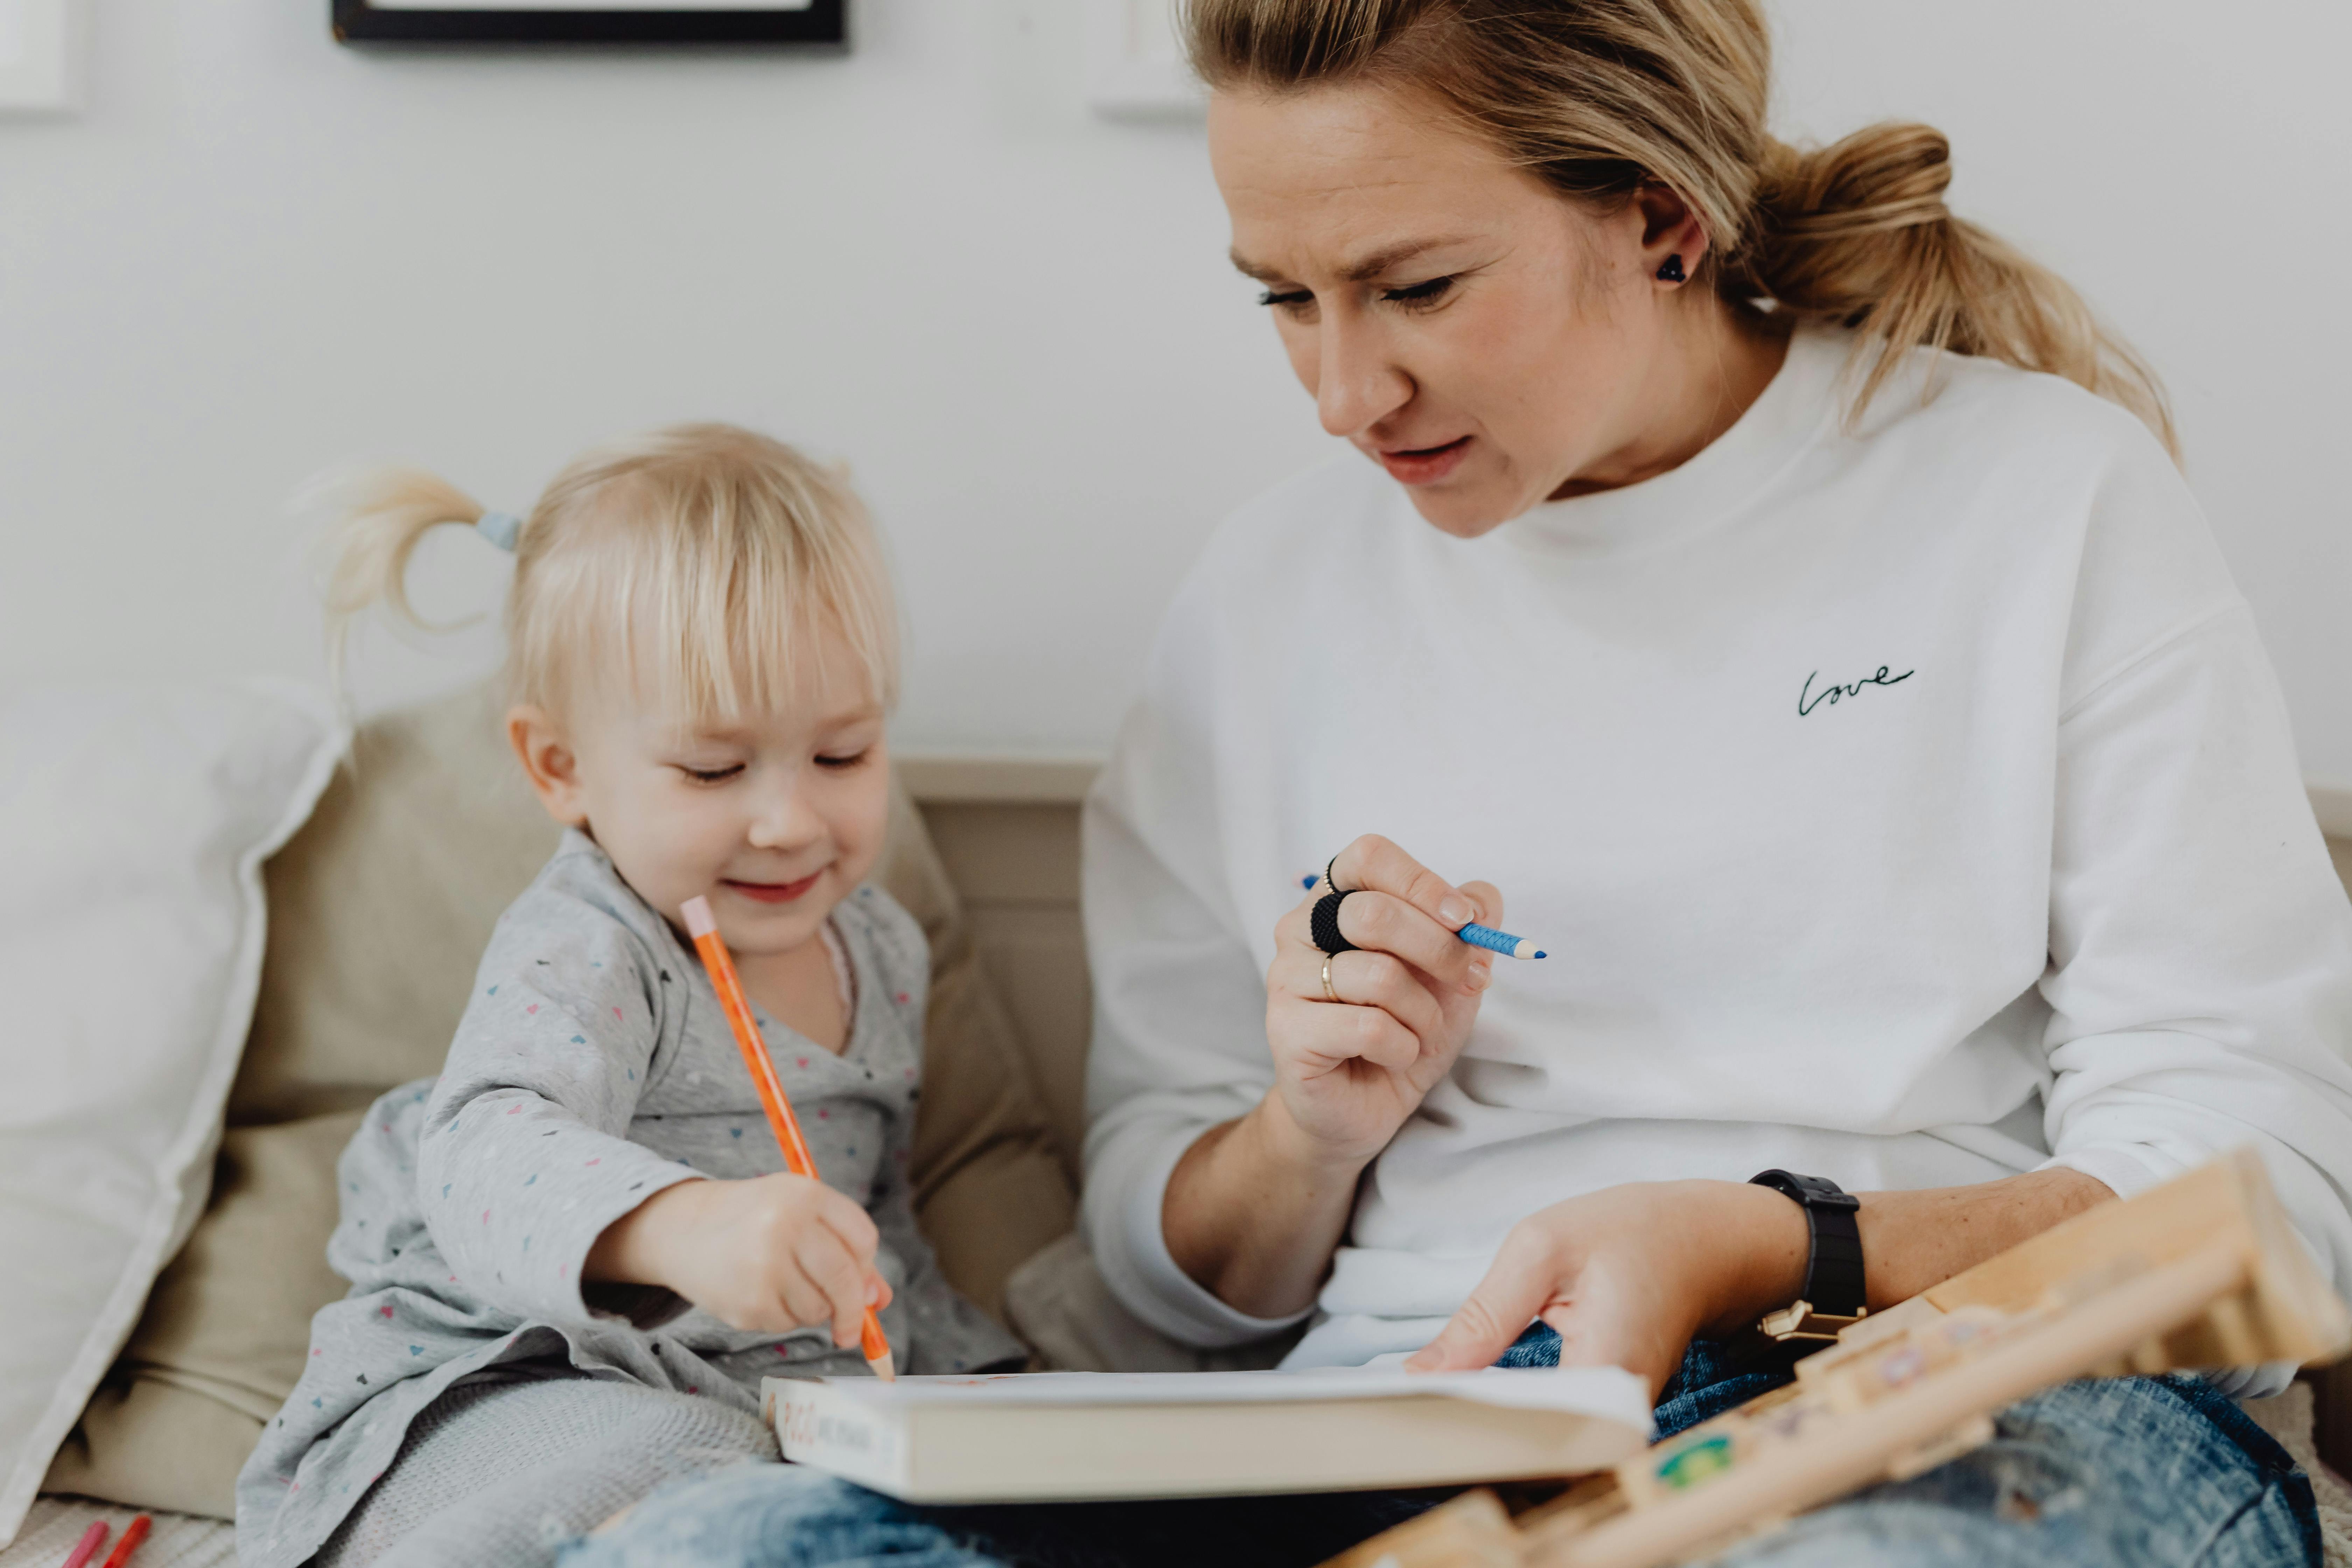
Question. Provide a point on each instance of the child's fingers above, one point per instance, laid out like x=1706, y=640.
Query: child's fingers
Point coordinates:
x=852, y=1223
x=803, y=1301
x=826, y=1261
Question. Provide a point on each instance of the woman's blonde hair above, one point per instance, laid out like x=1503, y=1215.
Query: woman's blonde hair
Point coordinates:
x=1598, y=98
x=692, y=562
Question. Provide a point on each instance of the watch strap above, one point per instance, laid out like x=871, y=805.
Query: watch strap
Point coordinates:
x=1835, y=1284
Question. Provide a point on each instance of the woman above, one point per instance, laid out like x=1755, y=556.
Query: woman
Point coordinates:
x=1784, y=590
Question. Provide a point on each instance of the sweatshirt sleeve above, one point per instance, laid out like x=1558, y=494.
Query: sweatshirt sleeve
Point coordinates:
x=523, y=1160
x=2200, y=946
x=1179, y=1002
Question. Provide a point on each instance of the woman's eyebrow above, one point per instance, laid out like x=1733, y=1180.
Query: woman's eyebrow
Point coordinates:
x=1362, y=271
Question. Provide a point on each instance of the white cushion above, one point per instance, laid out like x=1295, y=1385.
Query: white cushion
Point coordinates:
x=133, y=824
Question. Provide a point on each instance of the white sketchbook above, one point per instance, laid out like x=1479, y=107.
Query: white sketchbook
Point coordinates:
x=1069, y=1436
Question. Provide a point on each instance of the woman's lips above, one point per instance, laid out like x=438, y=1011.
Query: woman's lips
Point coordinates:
x=1425, y=464
x=773, y=892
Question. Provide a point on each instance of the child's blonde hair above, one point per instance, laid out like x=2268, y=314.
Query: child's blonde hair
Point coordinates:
x=694, y=563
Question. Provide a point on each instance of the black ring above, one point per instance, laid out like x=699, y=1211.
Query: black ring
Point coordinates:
x=1323, y=922
x=1330, y=880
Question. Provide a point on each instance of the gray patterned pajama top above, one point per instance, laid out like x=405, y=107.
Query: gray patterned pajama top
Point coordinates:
x=593, y=1068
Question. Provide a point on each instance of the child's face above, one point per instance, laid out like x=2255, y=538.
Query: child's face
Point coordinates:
x=774, y=817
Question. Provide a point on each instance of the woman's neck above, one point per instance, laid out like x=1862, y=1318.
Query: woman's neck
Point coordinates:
x=1718, y=361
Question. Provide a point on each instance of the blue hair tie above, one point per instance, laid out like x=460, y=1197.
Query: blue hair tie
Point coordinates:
x=499, y=527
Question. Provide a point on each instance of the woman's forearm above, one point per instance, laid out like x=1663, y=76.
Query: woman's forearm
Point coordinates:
x=1910, y=1241
x=1253, y=1216
x=1913, y=1240
x=1630, y=1275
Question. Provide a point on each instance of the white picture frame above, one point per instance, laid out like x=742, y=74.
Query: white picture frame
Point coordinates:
x=40, y=56
x=1135, y=65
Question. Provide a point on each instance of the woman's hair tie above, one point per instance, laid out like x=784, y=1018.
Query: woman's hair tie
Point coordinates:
x=1323, y=922
x=500, y=527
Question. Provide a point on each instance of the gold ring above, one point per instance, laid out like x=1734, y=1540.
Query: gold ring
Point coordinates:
x=1328, y=988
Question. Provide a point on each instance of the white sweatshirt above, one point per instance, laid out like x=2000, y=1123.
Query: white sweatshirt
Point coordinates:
x=1909, y=805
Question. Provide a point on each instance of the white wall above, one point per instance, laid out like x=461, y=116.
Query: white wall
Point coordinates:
x=257, y=255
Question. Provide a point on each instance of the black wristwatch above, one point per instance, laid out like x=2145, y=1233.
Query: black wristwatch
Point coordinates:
x=1835, y=1295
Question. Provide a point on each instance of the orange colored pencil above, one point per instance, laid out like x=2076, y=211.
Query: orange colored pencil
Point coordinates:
x=704, y=929
x=132, y=1534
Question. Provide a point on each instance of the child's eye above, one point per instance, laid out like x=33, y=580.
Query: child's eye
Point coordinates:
x=711, y=776
x=841, y=764
x=1420, y=295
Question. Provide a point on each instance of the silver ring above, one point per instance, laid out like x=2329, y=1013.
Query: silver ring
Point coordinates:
x=1328, y=990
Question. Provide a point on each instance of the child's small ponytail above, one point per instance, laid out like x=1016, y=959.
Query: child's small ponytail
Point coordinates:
x=384, y=513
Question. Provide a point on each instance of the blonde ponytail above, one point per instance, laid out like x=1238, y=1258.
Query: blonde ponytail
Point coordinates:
x=1598, y=98
x=1857, y=234
x=382, y=514
x=698, y=564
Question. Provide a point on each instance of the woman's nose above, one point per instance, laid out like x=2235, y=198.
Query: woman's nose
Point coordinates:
x=1356, y=384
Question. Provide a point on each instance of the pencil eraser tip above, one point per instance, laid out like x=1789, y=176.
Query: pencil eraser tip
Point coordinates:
x=697, y=917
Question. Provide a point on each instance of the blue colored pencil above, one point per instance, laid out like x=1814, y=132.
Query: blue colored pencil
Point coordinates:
x=1474, y=933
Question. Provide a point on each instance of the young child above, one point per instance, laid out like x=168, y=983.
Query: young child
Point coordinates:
x=574, y=1255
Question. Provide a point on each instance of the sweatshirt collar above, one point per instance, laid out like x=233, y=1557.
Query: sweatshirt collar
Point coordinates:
x=1724, y=477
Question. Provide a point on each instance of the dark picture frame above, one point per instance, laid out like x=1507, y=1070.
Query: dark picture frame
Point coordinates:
x=821, y=24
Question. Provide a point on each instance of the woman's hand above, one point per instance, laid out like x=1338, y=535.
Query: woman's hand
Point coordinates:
x=769, y=1254
x=1255, y=1207
x=1348, y=1074
x=1629, y=1276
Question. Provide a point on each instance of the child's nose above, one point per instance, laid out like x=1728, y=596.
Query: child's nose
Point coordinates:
x=785, y=821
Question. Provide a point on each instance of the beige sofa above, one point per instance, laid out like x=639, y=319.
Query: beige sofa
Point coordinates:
x=378, y=911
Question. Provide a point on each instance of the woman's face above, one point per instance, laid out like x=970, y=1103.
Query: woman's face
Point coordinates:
x=1486, y=341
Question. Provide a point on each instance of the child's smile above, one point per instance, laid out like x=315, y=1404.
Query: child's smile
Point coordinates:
x=771, y=892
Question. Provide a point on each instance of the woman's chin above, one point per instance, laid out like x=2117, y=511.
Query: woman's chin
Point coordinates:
x=1466, y=510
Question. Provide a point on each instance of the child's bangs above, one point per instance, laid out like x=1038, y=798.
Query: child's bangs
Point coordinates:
x=716, y=646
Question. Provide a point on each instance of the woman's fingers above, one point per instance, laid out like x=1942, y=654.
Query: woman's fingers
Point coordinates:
x=1366, y=980
x=1373, y=863
x=1524, y=1279
x=1386, y=924
x=1368, y=1034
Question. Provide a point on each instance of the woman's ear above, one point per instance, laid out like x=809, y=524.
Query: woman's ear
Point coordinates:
x=548, y=762
x=1673, y=238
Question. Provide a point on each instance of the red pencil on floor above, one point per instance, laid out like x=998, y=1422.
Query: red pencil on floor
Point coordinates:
x=704, y=929
x=132, y=1534
x=87, y=1547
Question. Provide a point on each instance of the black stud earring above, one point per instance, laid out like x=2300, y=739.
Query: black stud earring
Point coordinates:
x=1672, y=272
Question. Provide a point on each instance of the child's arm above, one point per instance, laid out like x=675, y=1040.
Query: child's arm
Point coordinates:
x=524, y=1159
x=532, y=1186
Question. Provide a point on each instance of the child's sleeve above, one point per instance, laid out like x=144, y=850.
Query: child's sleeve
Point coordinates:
x=524, y=1160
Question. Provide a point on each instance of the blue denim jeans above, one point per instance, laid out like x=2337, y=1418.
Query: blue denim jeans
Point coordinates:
x=2143, y=1472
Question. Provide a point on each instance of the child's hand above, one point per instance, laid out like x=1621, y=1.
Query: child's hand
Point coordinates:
x=771, y=1252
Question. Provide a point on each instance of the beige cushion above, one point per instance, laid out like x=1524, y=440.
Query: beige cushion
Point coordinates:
x=222, y=1341
x=379, y=910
